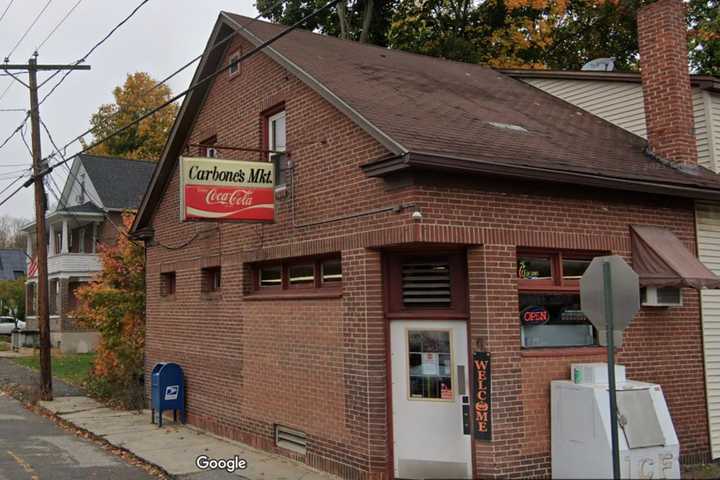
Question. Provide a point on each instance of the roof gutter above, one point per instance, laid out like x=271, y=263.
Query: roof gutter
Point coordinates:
x=434, y=162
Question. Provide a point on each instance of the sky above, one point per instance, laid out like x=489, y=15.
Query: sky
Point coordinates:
x=162, y=36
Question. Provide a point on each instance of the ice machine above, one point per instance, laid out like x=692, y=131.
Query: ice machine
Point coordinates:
x=581, y=446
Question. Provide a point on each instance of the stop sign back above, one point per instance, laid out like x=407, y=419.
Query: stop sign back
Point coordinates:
x=622, y=286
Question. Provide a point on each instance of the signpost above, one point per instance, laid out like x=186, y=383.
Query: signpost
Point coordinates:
x=610, y=298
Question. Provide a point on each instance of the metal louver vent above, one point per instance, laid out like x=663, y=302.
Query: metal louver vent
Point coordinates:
x=290, y=439
x=426, y=284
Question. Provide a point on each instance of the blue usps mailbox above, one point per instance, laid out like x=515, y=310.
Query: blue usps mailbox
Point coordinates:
x=168, y=391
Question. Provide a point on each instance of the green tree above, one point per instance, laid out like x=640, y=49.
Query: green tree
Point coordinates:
x=555, y=34
x=12, y=298
x=361, y=20
x=704, y=22
x=133, y=99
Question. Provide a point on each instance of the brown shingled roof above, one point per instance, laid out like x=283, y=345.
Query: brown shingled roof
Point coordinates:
x=459, y=110
x=435, y=113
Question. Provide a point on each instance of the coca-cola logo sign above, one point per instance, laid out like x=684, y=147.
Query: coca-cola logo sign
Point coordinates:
x=226, y=190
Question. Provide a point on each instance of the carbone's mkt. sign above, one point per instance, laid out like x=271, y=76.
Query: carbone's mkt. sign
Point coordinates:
x=212, y=189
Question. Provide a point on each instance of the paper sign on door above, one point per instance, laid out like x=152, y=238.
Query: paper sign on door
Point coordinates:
x=430, y=364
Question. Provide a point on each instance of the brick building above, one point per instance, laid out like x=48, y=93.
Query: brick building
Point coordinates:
x=97, y=191
x=421, y=205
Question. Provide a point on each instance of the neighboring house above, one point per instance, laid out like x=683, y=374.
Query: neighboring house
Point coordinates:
x=96, y=193
x=13, y=264
x=618, y=98
x=420, y=207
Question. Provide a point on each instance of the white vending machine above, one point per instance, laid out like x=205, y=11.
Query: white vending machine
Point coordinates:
x=581, y=446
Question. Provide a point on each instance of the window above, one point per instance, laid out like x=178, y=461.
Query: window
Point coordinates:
x=58, y=242
x=167, y=284
x=53, y=296
x=31, y=299
x=73, y=287
x=324, y=272
x=301, y=275
x=549, y=299
x=430, y=362
x=234, y=64
x=276, y=138
x=330, y=271
x=270, y=275
x=433, y=285
x=211, y=280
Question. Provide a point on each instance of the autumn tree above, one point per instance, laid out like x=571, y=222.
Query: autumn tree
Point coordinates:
x=137, y=96
x=704, y=21
x=114, y=305
x=555, y=34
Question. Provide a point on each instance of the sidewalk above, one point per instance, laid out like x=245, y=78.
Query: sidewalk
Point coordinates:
x=174, y=448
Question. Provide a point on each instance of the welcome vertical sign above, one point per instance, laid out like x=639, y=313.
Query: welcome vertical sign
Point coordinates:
x=226, y=190
x=483, y=405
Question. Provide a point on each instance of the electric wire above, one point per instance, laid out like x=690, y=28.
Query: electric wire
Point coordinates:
x=58, y=25
x=2, y=15
x=90, y=52
x=27, y=30
x=172, y=100
x=185, y=66
x=202, y=81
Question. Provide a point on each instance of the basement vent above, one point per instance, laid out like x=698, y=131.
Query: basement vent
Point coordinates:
x=290, y=439
x=426, y=284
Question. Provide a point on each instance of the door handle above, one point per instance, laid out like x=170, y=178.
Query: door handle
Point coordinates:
x=461, y=380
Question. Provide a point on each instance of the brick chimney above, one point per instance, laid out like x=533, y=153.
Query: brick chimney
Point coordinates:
x=662, y=37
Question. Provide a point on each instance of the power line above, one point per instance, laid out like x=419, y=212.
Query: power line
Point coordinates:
x=2, y=15
x=59, y=24
x=94, y=47
x=27, y=30
x=204, y=80
x=175, y=98
x=220, y=43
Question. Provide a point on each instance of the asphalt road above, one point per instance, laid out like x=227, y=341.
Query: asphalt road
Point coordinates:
x=33, y=448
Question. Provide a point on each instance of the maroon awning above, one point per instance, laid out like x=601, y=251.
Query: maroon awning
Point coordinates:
x=662, y=260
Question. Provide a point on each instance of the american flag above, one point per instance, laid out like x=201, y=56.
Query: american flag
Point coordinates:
x=32, y=268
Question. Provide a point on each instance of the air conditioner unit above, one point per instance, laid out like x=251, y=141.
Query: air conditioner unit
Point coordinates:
x=661, y=297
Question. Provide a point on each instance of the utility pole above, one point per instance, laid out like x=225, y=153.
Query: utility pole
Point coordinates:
x=39, y=172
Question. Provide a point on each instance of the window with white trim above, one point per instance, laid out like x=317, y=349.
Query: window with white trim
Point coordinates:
x=276, y=135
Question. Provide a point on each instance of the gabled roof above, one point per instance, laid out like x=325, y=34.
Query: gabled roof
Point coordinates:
x=432, y=113
x=120, y=183
x=12, y=263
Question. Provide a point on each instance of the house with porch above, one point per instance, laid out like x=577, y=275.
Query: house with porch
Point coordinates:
x=89, y=211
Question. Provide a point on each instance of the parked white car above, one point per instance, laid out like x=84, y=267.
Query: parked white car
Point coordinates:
x=8, y=324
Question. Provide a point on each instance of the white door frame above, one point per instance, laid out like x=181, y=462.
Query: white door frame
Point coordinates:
x=449, y=421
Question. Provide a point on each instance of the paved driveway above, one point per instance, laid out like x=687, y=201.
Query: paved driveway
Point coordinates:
x=33, y=448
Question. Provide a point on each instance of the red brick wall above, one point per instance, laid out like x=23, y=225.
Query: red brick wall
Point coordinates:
x=512, y=216
x=662, y=37
x=319, y=365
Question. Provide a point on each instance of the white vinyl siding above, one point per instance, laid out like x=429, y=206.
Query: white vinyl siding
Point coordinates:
x=621, y=103
x=708, y=237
